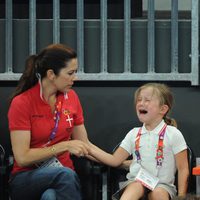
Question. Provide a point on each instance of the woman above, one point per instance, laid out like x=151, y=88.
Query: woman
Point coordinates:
x=46, y=125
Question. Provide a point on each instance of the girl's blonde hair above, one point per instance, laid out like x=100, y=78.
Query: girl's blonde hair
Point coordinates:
x=165, y=95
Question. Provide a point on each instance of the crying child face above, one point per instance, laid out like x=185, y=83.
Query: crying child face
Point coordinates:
x=148, y=106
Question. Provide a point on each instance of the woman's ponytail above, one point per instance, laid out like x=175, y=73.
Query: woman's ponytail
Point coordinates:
x=28, y=78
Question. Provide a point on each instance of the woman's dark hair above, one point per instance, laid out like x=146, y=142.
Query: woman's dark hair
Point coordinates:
x=54, y=56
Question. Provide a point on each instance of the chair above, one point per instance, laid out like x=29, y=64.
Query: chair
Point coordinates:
x=118, y=175
x=4, y=174
x=192, y=163
x=93, y=178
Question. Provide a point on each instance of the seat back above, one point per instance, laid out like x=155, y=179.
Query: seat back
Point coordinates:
x=90, y=175
x=3, y=174
x=192, y=163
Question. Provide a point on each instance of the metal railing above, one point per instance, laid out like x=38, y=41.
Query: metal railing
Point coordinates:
x=103, y=25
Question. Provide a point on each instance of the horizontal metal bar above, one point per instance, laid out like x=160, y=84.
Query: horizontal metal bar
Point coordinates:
x=117, y=76
x=97, y=20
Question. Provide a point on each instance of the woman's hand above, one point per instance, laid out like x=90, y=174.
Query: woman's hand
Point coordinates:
x=78, y=148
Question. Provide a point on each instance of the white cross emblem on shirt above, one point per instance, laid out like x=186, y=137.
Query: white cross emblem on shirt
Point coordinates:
x=69, y=120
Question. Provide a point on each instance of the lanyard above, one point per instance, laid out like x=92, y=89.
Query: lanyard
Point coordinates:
x=57, y=118
x=159, y=151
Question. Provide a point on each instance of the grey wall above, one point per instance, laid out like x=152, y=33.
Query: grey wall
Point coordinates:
x=109, y=111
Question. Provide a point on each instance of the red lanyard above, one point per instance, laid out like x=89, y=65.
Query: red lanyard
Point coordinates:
x=159, y=151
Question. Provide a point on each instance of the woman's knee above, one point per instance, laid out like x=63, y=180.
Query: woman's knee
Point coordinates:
x=66, y=178
x=67, y=185
x=68, y=174
x=49, y=194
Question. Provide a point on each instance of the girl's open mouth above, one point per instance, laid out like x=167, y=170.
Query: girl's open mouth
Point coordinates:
x=142, y=111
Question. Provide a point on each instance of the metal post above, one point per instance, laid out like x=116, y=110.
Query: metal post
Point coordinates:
x=195, y=43
x=80, y=34
x=9, y=36
x=104, y=37
x=151, y=36
x=174, y=36
x=32, y=26
x=56, y=21
x=127, y=35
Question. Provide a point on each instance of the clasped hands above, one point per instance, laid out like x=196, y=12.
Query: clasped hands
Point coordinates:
x=78, y=148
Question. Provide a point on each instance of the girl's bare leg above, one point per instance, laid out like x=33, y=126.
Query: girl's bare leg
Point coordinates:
x=158, y=194
x=133, y=191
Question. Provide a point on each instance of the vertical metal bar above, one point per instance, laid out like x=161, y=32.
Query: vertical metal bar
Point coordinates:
x=9, y=36
x=174, y=36
x=195, y=42
x=56, y=21
x=104, y=186
x=32, y=26
x=80, y=34
x=127, y=35
x=151, y=36
x=104, y=36
x=197, y=178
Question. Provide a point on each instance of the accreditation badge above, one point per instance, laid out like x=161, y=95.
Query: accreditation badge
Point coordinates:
x=147, y=179
x=52, y=162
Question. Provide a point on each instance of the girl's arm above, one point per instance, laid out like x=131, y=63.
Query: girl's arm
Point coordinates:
x=183, y=172
x=80, y=133
x=114, y=160
x=97, y=154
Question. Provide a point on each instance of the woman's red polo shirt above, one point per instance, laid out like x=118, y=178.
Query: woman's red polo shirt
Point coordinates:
x=28, y=111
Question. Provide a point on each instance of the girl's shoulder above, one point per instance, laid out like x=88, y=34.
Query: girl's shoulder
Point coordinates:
x=172, y=130
x=174, y=134
x=133, y=132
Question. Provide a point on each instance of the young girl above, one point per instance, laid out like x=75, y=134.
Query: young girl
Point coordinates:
x=158, y=149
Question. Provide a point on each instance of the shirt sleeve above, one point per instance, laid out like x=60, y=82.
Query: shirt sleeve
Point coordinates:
x=128, y=143
x=178, y=141
x=19, y=114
